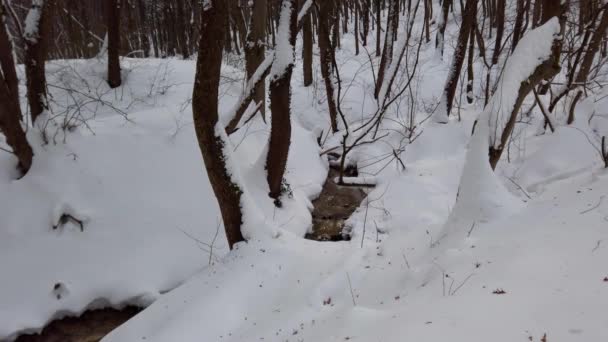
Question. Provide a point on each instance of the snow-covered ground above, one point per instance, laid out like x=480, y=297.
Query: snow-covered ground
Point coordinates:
x=134, y=175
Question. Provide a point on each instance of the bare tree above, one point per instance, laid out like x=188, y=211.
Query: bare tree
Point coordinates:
x=211, y=136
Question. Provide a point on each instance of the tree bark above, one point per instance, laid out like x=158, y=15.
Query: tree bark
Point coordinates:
x=255, y=49
x=211, y=137
x=325, y=59
x=307, y=50
x=10, y=111
x=387, y=51
x=113, y=26
x=280, y=101
x=441, y=25
x=36, y=36
x=451, y=83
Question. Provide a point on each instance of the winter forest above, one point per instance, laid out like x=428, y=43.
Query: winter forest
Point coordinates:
x=303, y=170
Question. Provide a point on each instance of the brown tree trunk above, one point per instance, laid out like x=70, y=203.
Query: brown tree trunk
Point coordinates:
x=36, y=36
x=280, y=102
x=307, y=50
x=205, y=113
x=519, y=21
x=441, y=25
x=500, y=29
x=10, y=111
x=113, y=26
x=387, y=51
x=378, y=27
x=587, y=63
x=546, y=70
x=449, y=91
x=325, y=59
x=470, y=70
x=255, y=49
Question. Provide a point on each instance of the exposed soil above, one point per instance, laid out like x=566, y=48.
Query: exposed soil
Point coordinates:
x=91, y=326
x=335, y=204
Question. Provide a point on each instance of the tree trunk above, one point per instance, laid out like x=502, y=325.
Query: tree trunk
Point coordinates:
x=378, y=28
x=255, y=49
x=586, y=64
x=387, y=51
x=36, y=35
x=10, y=111
x=441, y=25
x=449, y=91
x=280, y=100
x=470, y=70
x=211, y=137
x=325, y=59
x=307, y=50
x=519, y=21
x=113, y=25
x=545, y=70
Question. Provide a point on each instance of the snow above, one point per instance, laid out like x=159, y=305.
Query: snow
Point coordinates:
x=284, y=54
x=140, y=188
x=521, y=254
x=32, y=20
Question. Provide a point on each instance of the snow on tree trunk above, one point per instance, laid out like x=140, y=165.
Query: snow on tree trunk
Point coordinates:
x=481, y=194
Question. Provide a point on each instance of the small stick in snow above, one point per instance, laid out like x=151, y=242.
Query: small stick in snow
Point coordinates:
x=65, y=218
x=471, y=230
x=594, y=207
x=406, y=262
x=597, y=246
x=350, y=285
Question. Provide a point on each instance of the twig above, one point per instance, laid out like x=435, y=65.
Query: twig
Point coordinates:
x=406, y=262
x=352, y=295
x=461, y=284
x=594, y=207
x=471, y=230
